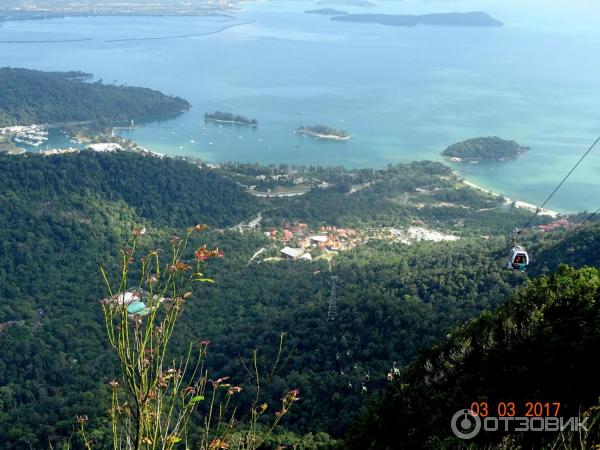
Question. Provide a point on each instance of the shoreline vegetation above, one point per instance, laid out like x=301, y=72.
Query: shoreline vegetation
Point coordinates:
x=16, y=13
x=323, y=132
x=58, y=41
x=490, y=148
x=223, y=117
x=35, y=97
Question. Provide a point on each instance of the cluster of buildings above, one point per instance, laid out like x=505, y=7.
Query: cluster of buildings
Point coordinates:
x=556, y=225
x=105, y=147
x=417, y=234
x=58, y=151
x=289, y=177
x=300, y=240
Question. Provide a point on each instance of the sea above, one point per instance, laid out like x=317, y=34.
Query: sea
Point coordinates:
x=403, y=94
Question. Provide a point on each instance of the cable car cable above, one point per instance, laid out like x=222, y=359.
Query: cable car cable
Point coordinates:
x=541, y=207
x=335, y=322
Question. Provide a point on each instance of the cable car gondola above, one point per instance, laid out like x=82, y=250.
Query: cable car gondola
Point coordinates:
x=518, y=259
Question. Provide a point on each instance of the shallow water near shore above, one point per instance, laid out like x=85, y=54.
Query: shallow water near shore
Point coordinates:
x=403, y=94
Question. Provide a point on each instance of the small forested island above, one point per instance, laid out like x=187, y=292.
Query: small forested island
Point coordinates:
x=219, y=116
x=323, y=132
x=327, y=12
x=469, y=19
x=485, y=148
x=32, y=97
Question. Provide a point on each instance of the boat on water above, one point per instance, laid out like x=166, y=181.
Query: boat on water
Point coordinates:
x=34, y=142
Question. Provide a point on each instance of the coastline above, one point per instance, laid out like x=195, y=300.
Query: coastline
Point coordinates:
x=161, y=38
x=18, y=16
x=330, y=137
x=208, y=119
x=517, y=203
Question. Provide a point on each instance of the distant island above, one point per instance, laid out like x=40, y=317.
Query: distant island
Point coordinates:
x=327, y=12
x=220, y=116
x=361, y=3
x=32, y=97
x=323, y=132
x=470, y=19
x=485, y=148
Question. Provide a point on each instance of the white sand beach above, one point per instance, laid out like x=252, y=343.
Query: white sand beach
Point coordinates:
x=518, y=203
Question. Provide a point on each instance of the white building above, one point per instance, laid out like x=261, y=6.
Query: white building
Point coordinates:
x=316, y=240
x=291, y=253
x=58, y=151
x=105, y=147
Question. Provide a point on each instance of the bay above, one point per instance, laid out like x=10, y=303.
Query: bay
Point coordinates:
x=403, y=94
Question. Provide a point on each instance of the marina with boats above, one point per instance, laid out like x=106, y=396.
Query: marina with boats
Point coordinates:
x=31, y=135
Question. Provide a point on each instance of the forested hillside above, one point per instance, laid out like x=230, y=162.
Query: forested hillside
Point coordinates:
x=60, y=218
x=419, y=192
x=539, y=347
x=63, y=216
x=30, y=96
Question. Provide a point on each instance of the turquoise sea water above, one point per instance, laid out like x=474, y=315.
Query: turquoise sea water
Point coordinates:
x=402, y=93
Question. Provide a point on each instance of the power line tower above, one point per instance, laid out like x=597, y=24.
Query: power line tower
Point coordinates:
x=332, y=310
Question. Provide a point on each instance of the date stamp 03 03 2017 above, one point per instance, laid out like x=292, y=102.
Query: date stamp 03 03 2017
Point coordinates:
x=513, y=417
